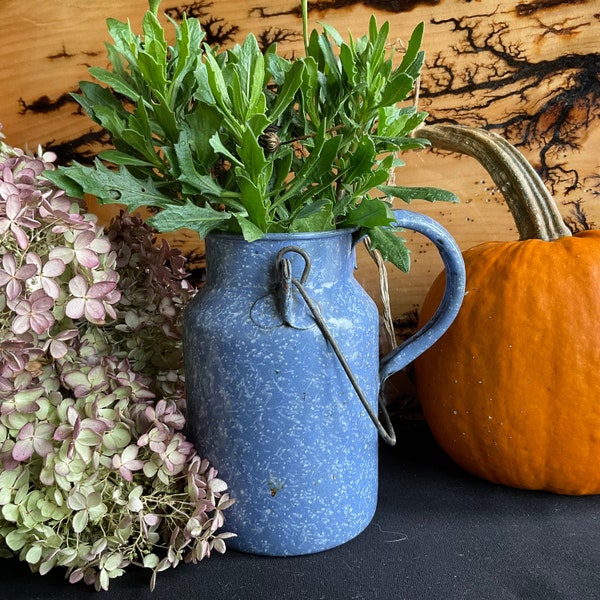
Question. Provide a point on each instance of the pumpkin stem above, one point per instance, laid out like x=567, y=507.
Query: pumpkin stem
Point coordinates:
x=529, y=201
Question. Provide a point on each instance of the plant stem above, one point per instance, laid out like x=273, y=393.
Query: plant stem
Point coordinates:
x=304, y=4
x=154, y=4
x=530, y=203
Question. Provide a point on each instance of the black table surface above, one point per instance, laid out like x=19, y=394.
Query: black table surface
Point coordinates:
x=438, y=533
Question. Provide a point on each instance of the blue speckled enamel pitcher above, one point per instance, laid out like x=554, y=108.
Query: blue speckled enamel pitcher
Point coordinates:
x=283, y=378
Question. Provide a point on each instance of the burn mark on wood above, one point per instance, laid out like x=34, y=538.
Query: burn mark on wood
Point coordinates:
x=196, y=10
x=321, y=6
x=44, y=104
x=276, y=35
x=62, y=54
x=577, y=219
x=560, y=29
x=486, y=72
x=83, y=148
x=530, y=8
x=218, y=31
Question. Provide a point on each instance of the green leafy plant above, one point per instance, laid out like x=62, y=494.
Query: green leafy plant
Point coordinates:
x=252, y=142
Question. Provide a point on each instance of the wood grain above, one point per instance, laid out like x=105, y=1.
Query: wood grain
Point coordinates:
x=529, y=70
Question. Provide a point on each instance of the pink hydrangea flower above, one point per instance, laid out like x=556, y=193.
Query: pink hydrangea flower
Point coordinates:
x=34, y=313
x=47, y=272
x=89, y=300
x=12, y=277
x=85, y=250
x=127, y=461
x=15, y=216
x=57, y=344
x=33, y=438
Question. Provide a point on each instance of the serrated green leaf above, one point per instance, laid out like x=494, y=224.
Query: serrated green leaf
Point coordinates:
x=205, y=184
x=94, y=95
x=62, y=178
x=154, y=34
x=115, y=82
x=309, y=91
x=331, y=65
x=217, y=83
x=408, y=194
x=256, y=164
x=287, y=92
x=138, y=143
x=203, y=92
x=197, y=218
x=281, y=167
x=370, y=212
x=198, y=128
x=414, y=70
x=219, y=146
x=333, y=33
x=110, y=186
x=256, y=76
x=399, y=144
x=379, y=36
x=361, y=160
x=194, y=183
x=348, y=61
x=188, y=37
x=116, y=61
x=317, y=216
x=123, y=158
x=316, y=168
x=111, y=121
x=239, y=100
x=414, y=45
x=125, y=41
x=390, y=245
x=373, y=179
x=397, y=89
x=153, y=71
x=392, y=122
x=165, y=118
x=253, y=200
x=250, y=231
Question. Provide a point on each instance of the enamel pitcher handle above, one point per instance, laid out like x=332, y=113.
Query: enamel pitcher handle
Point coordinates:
x=451, y=256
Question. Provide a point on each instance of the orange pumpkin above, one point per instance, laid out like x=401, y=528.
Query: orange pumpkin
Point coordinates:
x=512, y=391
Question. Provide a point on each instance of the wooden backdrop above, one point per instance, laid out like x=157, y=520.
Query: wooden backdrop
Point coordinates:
x=527, y=69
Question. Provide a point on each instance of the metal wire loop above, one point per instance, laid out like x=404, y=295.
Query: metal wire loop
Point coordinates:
x=302, y=253
x=386, y=430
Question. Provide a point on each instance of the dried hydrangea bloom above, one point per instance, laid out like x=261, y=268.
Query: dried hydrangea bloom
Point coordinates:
x=95, y=472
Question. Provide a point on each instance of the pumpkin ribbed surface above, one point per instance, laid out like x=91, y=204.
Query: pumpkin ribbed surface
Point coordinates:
x=512, y=390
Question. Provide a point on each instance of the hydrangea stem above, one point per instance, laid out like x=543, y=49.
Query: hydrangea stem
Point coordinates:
x=530, y=203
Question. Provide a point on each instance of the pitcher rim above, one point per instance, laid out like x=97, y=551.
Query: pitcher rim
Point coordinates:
x=297, y=235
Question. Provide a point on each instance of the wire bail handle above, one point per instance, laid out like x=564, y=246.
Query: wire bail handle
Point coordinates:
x=285, y=298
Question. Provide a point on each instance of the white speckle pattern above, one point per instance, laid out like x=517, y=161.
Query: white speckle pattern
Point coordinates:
x=270, y=405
